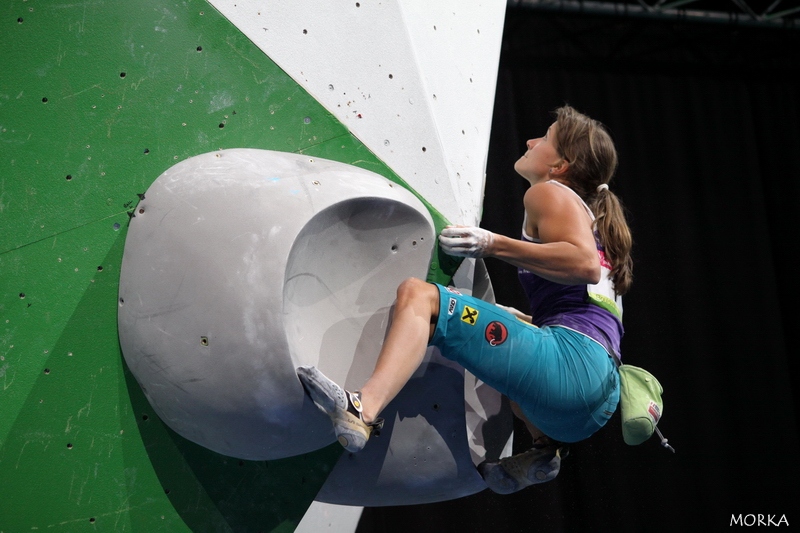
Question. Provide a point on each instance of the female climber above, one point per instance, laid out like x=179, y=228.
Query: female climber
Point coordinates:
x=556, y=365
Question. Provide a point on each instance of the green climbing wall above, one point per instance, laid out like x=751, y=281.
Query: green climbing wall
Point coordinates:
x=97, y=99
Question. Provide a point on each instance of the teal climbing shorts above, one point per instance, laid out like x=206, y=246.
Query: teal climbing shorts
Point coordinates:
x=564, y=381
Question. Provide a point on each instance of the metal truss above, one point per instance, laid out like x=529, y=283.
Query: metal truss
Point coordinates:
x=765, y=13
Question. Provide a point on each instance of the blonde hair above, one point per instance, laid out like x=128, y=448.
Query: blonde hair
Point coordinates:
x=586, y=145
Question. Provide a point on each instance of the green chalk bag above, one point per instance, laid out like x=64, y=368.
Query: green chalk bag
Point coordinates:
x=641, y=405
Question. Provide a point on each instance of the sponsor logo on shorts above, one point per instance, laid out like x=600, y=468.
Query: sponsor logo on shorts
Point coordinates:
x=451, y=289
x=451, y=307
x=469, y=315
x=496, y=333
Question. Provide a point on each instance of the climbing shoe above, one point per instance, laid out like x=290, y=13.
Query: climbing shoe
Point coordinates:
x=342, y=406
x=537, y=465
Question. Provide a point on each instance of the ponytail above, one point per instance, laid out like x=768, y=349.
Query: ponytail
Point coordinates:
x=589, y=149
x=615, y=235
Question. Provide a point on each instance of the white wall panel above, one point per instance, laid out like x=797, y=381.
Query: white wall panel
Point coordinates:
x=414, y=80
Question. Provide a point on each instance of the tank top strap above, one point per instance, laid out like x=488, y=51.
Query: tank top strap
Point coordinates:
x=589, y=211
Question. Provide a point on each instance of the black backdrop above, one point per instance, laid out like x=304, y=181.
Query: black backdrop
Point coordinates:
x=705, y=118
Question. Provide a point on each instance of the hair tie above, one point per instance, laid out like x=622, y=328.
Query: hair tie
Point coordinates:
x=602, y=186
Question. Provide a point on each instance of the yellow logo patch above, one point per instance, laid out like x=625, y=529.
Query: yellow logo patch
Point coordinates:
x=469, y=315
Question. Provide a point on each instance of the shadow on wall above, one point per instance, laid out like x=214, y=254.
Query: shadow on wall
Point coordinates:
x=213, y=492
x=85, y=423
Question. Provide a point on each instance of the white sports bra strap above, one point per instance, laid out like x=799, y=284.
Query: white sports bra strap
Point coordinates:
x=589, y=211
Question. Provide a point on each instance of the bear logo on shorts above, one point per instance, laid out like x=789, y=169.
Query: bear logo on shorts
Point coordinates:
x=496, y=333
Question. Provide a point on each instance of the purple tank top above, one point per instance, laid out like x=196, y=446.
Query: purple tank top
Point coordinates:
x=554, y=304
